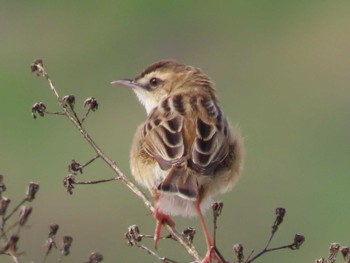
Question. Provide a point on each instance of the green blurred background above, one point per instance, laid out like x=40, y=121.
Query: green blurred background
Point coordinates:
x=282, y=74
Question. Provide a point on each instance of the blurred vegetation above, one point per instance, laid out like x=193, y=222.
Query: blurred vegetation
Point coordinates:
x=282, y=74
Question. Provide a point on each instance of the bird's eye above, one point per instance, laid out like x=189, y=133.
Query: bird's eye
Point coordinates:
x=153, y=82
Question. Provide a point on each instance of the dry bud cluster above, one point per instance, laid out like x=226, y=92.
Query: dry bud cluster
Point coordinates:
x=13, y=220
x=10, y=224
x=334, y=249
x=133, y=235
x=91, y=104
x=95, y=257
x=238, y=250
x=37, y=67
x=189, y=233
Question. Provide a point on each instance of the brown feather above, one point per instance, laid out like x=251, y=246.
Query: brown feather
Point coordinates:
x=191, y=137
x=180, y=181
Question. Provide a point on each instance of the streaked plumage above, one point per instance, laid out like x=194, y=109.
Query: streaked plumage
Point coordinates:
x=185, y=152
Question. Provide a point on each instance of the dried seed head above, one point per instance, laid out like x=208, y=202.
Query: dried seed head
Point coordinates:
x=280, y=213
x=298, y=241
x=32, y=189
x=69, y=100
x=217, y=208
x=91, y=103
x=4, y=202
x=189, y=233
x=24, y=214
x=74, y=166
x=238, y=249
x=346, y=253
x=50, y=242
x=66, y=244
x=53, y=229
x=2, y=185
x=95, y=257
x=133, y=235
x=333, y=251
x=69, y=182
x=38, y=108
x=11, y=245
x=37, y=67
x=334, y=248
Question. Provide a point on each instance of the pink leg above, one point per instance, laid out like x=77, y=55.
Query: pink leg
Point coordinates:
x=210, y=255
x=161, y=219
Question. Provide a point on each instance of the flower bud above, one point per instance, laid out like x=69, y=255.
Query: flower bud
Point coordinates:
x=32, y=189
x=66, y=244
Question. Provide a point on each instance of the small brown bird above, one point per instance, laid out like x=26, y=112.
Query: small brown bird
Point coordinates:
x=185, y=152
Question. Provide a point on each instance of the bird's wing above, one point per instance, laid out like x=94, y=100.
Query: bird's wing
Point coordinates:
x=210, y=146
x=163, y=139
x=187, y=141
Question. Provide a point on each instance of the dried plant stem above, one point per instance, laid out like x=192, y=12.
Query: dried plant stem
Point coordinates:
x=87, y=163
x=120, y=175
x=14, y=210
x=97, y=181
x=266, y=250
x=54, y=113
x=151, y=252
x=152, y=236
x=86, y=114
x=45, y=257
x=14, y=258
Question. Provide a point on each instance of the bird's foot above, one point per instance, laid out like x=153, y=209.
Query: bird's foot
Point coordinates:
x=212, y=257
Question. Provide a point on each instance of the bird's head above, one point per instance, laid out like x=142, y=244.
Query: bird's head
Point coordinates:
x=165, y=78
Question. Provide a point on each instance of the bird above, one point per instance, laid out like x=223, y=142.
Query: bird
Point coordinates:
x=185, y=152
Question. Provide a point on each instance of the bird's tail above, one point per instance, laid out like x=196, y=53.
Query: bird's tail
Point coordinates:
x=180, y=182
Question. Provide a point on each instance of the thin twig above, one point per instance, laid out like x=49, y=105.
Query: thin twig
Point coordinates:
x=97, y=181
x=14, y=258
x=151, y=252
x=298, y=239
x=45, y=257
x=4, y=232
x=14, y=210
x=152, y=236
x=86, y=114
x=250, y=254
x=87, y=163
x=72, y=111
x=54, y=113
x=266, y=250
x=218, y=253
x=215, y=228
x=217, y=209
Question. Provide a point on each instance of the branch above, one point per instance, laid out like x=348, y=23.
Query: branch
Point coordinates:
x=68, y=111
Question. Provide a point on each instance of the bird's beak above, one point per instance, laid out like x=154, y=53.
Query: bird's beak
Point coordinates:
x=126, y=83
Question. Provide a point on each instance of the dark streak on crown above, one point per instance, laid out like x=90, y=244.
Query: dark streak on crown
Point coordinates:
x=155, y=66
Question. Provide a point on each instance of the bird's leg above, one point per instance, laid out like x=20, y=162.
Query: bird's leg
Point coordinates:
x=161, y=218
x=207, y=257
x=210, y=255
